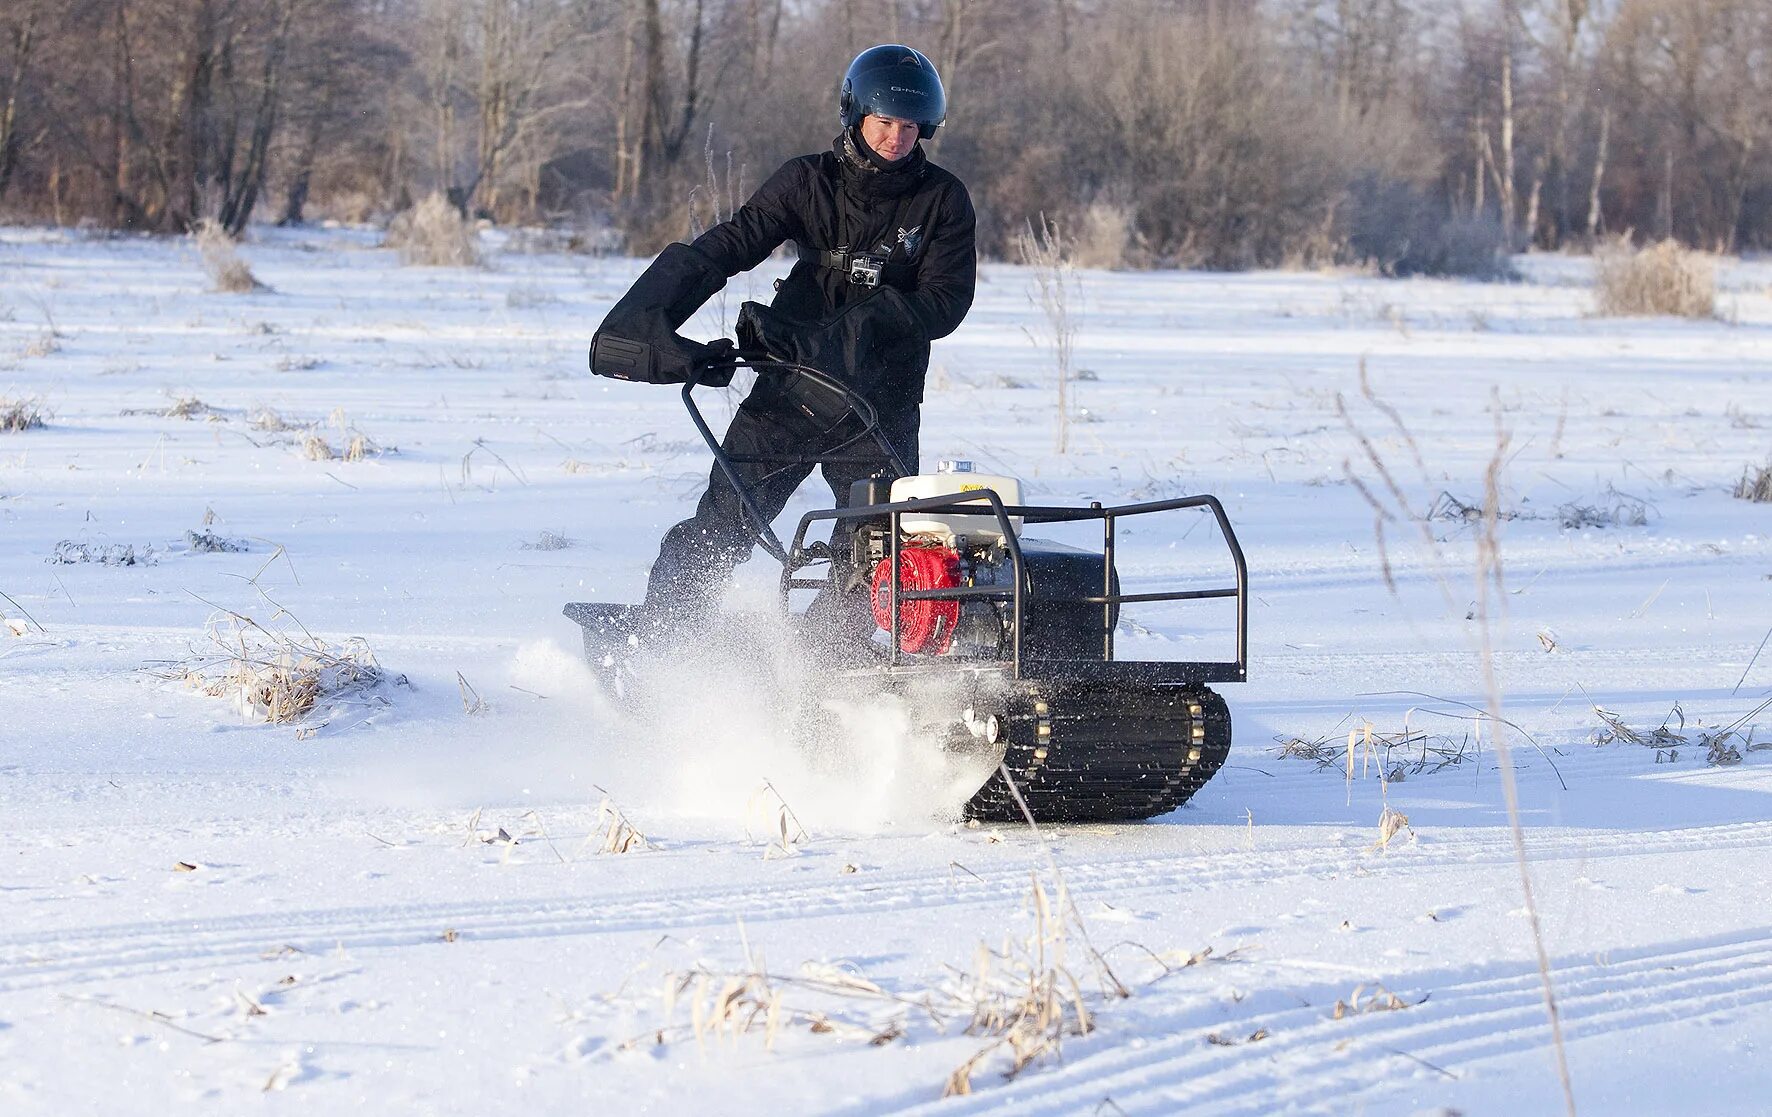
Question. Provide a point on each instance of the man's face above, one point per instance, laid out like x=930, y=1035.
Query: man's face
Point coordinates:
x=891, y=138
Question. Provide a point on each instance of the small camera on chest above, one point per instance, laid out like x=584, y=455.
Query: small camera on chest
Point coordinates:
x=865, y=270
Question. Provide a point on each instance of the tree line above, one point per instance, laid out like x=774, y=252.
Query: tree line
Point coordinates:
x=1417, y=135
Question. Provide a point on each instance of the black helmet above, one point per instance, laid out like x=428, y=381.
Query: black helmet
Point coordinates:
x=893, y=81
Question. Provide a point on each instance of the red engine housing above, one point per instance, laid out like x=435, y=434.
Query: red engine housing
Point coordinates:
x=923, y=625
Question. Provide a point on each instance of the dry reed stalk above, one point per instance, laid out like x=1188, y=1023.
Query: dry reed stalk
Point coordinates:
x=1043, y=250
x=471, y=702
x=1662, y=279
x=618, y=834
x=1491, y=597
x=1755, y=484
x=1391, y=822
x=1023, y=995
x=786, y=832
x=1376, y=999
x=1490, y=587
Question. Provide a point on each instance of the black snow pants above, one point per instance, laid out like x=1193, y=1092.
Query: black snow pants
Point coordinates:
x=698, y=555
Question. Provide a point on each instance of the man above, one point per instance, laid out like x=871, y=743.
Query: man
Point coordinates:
x=886, y=265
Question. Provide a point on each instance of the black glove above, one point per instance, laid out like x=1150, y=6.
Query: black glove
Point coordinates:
x=638, y=339
x=714, y=353
x=812, y=407
x=765, y=330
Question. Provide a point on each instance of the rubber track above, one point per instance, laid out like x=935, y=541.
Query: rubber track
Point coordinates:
x=1112, y=753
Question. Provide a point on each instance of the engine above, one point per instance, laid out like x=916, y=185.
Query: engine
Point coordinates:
x=946, y=551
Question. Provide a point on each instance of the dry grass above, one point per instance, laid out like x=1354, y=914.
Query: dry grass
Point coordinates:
x=829, y=1001
x=1662, y=279
x=1610, y=509
x=1755, y=484
x=20, y=415
x=1374, y=998
x=1022, y=995
x=183, y=407
x=1448, y=507
x=1392, y=757
x=618, y=834
x=186, y=407
x=1723, y=746
x=279, y=672
x=228, y=273
x=357, y=445
x=268, y=419
x=1619, y=510
x=549, y=541
x=209, y=543
x=70, y=552
x=312, y=443
x=434, y=234
x=778, y=821
x=1048, y=255
x=1106, y=237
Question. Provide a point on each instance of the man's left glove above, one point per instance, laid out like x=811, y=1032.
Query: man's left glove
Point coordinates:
x=763, y=330
x=828, y=347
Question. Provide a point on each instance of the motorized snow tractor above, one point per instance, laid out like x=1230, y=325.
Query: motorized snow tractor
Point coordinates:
x=1001, y=643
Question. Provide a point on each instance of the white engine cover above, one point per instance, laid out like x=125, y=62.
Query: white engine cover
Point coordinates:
x=951, y=482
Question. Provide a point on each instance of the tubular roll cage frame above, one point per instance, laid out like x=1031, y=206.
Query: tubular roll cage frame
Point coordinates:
x=983, y=502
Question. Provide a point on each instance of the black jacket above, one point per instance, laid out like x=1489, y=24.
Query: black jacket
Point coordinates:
x=913, y=213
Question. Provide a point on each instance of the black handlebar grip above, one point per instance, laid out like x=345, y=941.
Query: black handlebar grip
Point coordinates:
x=622, y=358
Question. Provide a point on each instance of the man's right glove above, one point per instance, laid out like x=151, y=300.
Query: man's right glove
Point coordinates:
x=638, y=339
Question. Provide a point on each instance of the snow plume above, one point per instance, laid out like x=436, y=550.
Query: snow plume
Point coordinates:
x=705, y=730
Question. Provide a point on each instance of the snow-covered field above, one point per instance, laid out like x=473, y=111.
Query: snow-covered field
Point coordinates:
x=408, y=909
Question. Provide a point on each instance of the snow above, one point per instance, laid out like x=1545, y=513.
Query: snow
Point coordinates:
x=352, y=929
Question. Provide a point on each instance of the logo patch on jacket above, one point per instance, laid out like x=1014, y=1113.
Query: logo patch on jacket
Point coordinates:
x=910, y=238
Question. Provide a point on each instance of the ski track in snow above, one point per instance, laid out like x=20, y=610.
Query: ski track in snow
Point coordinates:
x=1308, y=1056
x=93, y=953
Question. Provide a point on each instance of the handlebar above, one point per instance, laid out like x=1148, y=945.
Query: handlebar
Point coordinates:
x=853, y=402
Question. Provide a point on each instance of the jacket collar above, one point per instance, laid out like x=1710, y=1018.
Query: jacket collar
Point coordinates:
x=872, y=176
